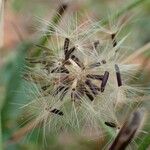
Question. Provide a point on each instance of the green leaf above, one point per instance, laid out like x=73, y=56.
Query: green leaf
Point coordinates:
x=145, y=143
x=14, y=69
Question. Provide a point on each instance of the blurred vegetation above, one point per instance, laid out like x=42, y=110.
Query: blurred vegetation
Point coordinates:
x=12, y=93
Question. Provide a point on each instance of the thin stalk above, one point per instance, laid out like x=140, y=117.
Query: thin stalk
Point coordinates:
x=1, y=147
x=128, y=131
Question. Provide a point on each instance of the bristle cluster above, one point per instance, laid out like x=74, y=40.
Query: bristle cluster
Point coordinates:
x=80, y=83
x=81, y=78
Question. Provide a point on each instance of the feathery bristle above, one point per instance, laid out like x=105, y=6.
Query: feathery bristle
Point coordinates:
x=94, y=89
x=78, y=78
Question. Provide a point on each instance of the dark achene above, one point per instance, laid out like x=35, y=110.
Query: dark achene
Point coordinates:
x=118, y=75
x=86, y=86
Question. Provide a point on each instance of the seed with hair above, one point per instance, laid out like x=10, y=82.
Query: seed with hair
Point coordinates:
x=88, y=94
x=75, y=95
x=77, y=61
x=104, y=81
x=103, y=61
x=58, y=89
x=97, y=64
x=111, y=124
x=64, y=93
x=96, y=77
x=33, y=60
x=66, y=45
x=62, y=9
x=96, y=43
x=69, y=52
x=58, y=112
x=60, y=70
x=94, y=89
x=118, y=75
x=45, y=87
x=113, y=37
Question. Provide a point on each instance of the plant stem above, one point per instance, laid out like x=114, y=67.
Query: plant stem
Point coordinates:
x=128, y=130
x=1, y=147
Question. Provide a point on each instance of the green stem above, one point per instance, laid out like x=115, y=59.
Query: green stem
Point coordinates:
x=1, y=147
x=124, y=9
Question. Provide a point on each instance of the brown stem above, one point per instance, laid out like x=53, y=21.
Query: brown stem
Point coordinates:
x=127, y=132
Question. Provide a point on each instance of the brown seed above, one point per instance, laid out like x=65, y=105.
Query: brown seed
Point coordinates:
x=58, y=112
x=103, y=61
x=69, y=52
x=96, y=77
x=60, y=70
x=118, y=75
x=62, y=9
x=96, y=43
x=94, y=89
x=113, y=37
x=45, y=87
x=111, y=124
x=104, y=81
x=88, y=94
x=66, y=45
x=77, y=61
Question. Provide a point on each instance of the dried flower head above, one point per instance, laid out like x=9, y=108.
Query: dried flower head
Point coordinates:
x=80, y=79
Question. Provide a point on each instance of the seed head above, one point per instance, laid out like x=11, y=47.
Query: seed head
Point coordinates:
x=81, y=79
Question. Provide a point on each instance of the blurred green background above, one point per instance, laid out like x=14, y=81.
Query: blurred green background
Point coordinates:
x=21, y=27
